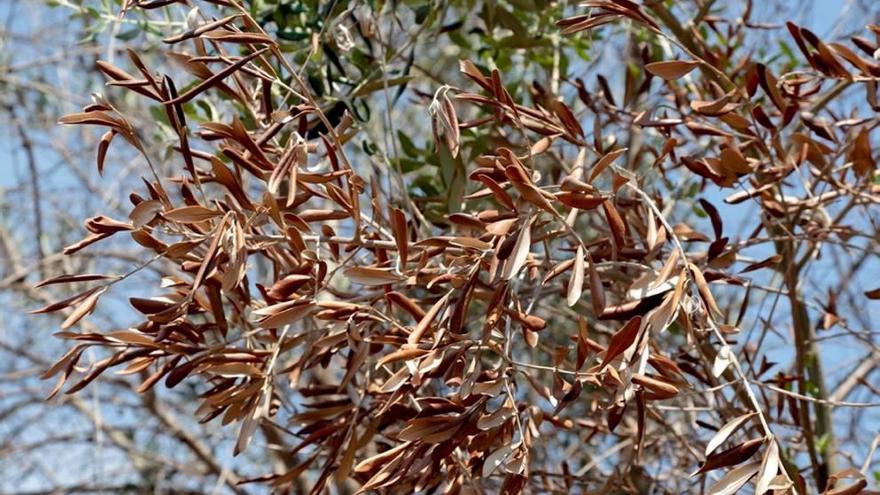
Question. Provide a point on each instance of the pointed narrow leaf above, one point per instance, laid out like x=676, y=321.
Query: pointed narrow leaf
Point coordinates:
x=83, y=309
x=191, y=214
x=496, y=459
x=731, y=482
x=605, y=161
x=726, y=431
x=576, y=282
x=597, y=292
x=426, y=321
x=622, y=340
x=520, y=251
x=372, y=276
x=69, y=279
x=769, y=468
x=731, y=457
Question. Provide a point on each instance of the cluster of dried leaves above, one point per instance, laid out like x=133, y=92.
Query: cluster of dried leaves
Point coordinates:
x=417, y=355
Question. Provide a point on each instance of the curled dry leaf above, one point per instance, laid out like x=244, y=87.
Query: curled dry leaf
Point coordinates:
x=703, y=287
x=144, y=212
x=722, y=361
x=672, y=69
x=615, y=223
x=501, y=227
x=714, y=108
x=103, y=146
x=580, y=201
x=450, y=125
x=656, y=389
x=857, y=483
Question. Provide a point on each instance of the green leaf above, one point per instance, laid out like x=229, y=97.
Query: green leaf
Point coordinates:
x=158, y=114
x=408, y=165
x=454, y=175
x=381, y=84
x=409, y=148
x=517, y=41
x=822, y=443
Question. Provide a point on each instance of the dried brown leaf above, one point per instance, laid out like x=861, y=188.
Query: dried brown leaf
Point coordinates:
x=621, y=340
x=672, y=69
